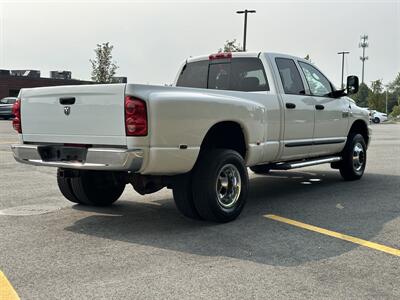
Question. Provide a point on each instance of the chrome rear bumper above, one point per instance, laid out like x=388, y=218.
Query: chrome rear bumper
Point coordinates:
x=112, y=159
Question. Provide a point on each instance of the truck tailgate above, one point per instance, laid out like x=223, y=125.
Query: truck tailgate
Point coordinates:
x=84, y=114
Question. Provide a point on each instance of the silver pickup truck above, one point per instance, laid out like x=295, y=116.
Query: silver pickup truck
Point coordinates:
x=225, y=112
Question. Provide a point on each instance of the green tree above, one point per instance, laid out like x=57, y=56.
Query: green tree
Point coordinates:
x=307, y=57
x=103, y=67
x=377, y=98
x=396, y=111
x=394, y=93
x=393, y=100
x=231, y=46
x=362, y=95
x=377, y=86
x=395, y=85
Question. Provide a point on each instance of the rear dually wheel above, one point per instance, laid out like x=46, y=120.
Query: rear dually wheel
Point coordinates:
x=95, y=188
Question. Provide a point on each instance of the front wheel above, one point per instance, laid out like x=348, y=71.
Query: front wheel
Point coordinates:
x=220, y=183
x=354, y=158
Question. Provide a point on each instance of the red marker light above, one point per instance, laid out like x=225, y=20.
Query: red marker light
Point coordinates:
x=220, y=55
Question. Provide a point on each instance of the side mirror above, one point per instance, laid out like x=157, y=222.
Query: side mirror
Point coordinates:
x=352, y=85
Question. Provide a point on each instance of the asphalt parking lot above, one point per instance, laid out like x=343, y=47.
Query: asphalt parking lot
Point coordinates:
x=143, y=248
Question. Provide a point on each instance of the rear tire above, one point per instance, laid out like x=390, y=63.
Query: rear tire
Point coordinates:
x=64, y=184
x=97, y=188
x=377, y=120
x=260, y=169
x=354, y=158
x=183, y=196
x=220, y=183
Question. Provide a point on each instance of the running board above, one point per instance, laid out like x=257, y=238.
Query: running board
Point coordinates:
x=305, y=163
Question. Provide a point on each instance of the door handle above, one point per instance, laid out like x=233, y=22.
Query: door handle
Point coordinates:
x=319, y=106
x=67, y=101
x=290, y=105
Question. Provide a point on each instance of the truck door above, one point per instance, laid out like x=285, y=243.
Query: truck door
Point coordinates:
x=298, y=111
x=331, y=114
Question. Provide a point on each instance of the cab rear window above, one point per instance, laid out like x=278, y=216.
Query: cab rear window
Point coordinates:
x=194, y=75
x=237, y=74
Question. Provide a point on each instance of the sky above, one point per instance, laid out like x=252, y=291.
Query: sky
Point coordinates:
x=152, y=38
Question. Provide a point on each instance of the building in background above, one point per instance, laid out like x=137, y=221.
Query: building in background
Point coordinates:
x=4, y=72
x=60, y=75
x=11, y=82
x=26, y=73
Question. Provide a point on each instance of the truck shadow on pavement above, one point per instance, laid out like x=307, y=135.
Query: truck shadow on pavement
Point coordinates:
x=323, y=199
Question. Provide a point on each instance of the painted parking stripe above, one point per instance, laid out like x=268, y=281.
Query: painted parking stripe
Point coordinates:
x=7, y=291
x=337, y=235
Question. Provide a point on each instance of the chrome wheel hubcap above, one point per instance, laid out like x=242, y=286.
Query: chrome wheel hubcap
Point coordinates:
x=358, y=157
x=228, y=186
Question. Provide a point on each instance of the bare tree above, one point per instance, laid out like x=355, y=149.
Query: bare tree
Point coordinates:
x=307, y=57
x=231, y=46
x=103, y=67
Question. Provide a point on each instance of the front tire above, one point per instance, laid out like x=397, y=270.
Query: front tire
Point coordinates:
x=377, y=120
x=220, y=183
x=354, y=158
x=97, y=188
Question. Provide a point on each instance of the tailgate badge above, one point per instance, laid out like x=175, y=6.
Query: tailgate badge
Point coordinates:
x=67, y=110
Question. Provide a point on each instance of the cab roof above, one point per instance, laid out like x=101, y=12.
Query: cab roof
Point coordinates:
x=244, y=54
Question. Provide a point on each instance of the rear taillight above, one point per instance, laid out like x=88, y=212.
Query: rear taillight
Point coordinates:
x=135, y=117
x=16, y=110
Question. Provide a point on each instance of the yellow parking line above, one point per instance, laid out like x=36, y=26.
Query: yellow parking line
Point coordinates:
x=7, y=292
x=337, y=235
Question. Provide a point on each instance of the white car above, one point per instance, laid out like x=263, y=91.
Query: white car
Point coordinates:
x=225, y=111
x=378, y=117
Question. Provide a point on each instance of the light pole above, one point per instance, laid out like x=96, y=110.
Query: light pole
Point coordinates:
x=386, y=99
x=387, y=86
x=343, y=53
x=245, y=12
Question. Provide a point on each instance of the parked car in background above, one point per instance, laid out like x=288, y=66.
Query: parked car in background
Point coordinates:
x=378, y=117
x=6, y=105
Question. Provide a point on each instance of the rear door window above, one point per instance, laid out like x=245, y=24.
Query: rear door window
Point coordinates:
x=290, y=76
